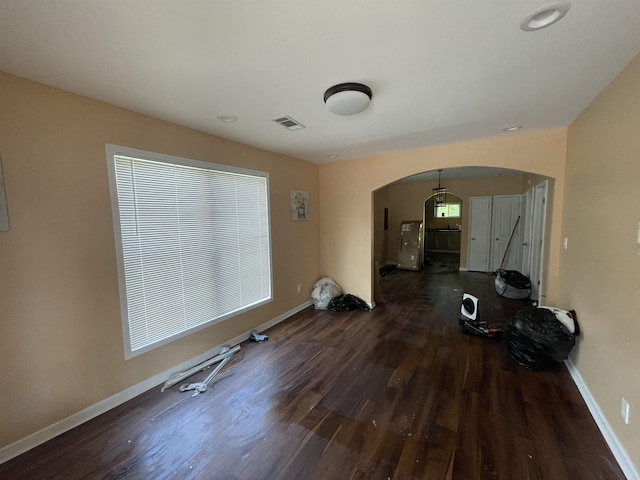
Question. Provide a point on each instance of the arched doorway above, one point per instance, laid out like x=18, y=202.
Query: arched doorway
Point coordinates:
x=442, y=218
x=406, y=199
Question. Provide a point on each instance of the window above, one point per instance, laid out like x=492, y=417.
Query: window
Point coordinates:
x=447, y=210
x=192, y=241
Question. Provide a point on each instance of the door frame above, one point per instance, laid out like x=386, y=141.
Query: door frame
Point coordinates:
x=538, y=268
x=512, y=259
x=526, y=212
x=473, y=200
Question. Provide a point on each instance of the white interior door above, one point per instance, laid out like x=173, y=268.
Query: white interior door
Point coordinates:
x=536, y=275
x=526, y=210
x=479, y=233
x=506, y=210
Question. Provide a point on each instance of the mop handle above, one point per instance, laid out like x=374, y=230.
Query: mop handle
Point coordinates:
x=504, y=257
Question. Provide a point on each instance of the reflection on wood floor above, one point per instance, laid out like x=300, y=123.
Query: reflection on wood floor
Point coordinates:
x=436, y=262
x=396, y=393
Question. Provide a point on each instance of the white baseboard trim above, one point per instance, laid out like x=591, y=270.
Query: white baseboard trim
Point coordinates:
x=619, y=452
x=13, y=450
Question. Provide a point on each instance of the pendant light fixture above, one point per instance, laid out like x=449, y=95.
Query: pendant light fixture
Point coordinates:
x=440, y=193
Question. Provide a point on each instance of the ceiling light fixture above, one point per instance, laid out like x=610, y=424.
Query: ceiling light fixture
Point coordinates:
x=347, y=98
x=512, y=128
x=227, y=118
x=332, y=156
x=440, y=193
x=544, y=17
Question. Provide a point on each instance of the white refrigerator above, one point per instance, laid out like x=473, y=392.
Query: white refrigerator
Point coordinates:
x=410, y=248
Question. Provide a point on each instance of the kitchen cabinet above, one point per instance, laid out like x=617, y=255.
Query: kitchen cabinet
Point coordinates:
x=443, y=240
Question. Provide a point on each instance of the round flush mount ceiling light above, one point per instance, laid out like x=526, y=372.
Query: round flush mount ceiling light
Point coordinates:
x=544, y=17
x=347, y=98
x=227, y=118
x=513, y=128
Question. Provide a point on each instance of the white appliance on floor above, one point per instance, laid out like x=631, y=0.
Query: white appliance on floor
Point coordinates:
x=410, y=248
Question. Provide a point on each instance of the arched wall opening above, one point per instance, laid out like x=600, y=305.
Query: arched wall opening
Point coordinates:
x=409, y=199
x=353, y=195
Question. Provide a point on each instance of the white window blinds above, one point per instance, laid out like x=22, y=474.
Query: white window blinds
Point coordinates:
x=194, y=246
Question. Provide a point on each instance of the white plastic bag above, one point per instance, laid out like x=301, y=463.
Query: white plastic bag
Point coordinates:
x=323, y=291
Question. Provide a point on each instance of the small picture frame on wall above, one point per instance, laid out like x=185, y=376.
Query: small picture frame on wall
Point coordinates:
x=299, y=205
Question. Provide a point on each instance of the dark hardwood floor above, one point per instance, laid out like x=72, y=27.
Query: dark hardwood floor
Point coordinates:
x=396, y=393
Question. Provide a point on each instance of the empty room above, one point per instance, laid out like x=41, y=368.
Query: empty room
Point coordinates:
x=183, y=184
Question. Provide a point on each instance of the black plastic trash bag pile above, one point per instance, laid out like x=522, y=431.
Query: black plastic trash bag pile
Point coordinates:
x=515, y=279
x=346, y=303
x=512, y=284
x=537, y=340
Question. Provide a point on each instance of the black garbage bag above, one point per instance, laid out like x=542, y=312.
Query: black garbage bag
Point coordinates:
x=537, y=340
x=346, y=303
x=516, y=279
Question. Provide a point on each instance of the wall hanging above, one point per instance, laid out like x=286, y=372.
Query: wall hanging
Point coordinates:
x=299, y=205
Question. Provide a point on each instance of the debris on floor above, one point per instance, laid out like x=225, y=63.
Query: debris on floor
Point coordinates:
x=540, y=338
x=512, y=284
x=323, y=291
x=254, y=336
x=346, y=303
x=200, y=387
x=470, y=319
x=225, y=354
x=387, y=269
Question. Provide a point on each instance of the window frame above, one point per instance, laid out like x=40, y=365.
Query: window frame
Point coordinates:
x=112, y=151
x=447, y=206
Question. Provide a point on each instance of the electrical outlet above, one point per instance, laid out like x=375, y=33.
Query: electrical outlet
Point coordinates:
x=298, y=288
x=565, y=243
x=624, y=411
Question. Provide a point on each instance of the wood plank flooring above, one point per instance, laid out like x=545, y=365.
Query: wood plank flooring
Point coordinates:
x=396, y=393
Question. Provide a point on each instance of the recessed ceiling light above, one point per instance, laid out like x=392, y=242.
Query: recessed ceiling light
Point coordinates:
x=332, y=156
x=512, y=128
x=544, y=17
x=227, y=118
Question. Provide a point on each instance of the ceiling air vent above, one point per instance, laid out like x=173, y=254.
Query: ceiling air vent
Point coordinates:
x=289, y=123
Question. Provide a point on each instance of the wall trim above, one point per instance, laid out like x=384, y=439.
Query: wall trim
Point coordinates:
x=616, y=447
x=27, y=443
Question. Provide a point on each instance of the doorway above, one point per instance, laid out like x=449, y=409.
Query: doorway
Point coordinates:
x=408, y=199
x=508, y=231
x=506, y=228
x=536, y=241
x=479, y=233
x=442, y=231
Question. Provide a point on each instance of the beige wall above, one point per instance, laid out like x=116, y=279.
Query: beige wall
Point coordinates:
x=600, y=271
x=346, y=199
x=406, y=200
x=60, y=336
x=60, y=330
x=381, y=236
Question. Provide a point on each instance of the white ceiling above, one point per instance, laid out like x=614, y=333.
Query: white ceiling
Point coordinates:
x=440, y=71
